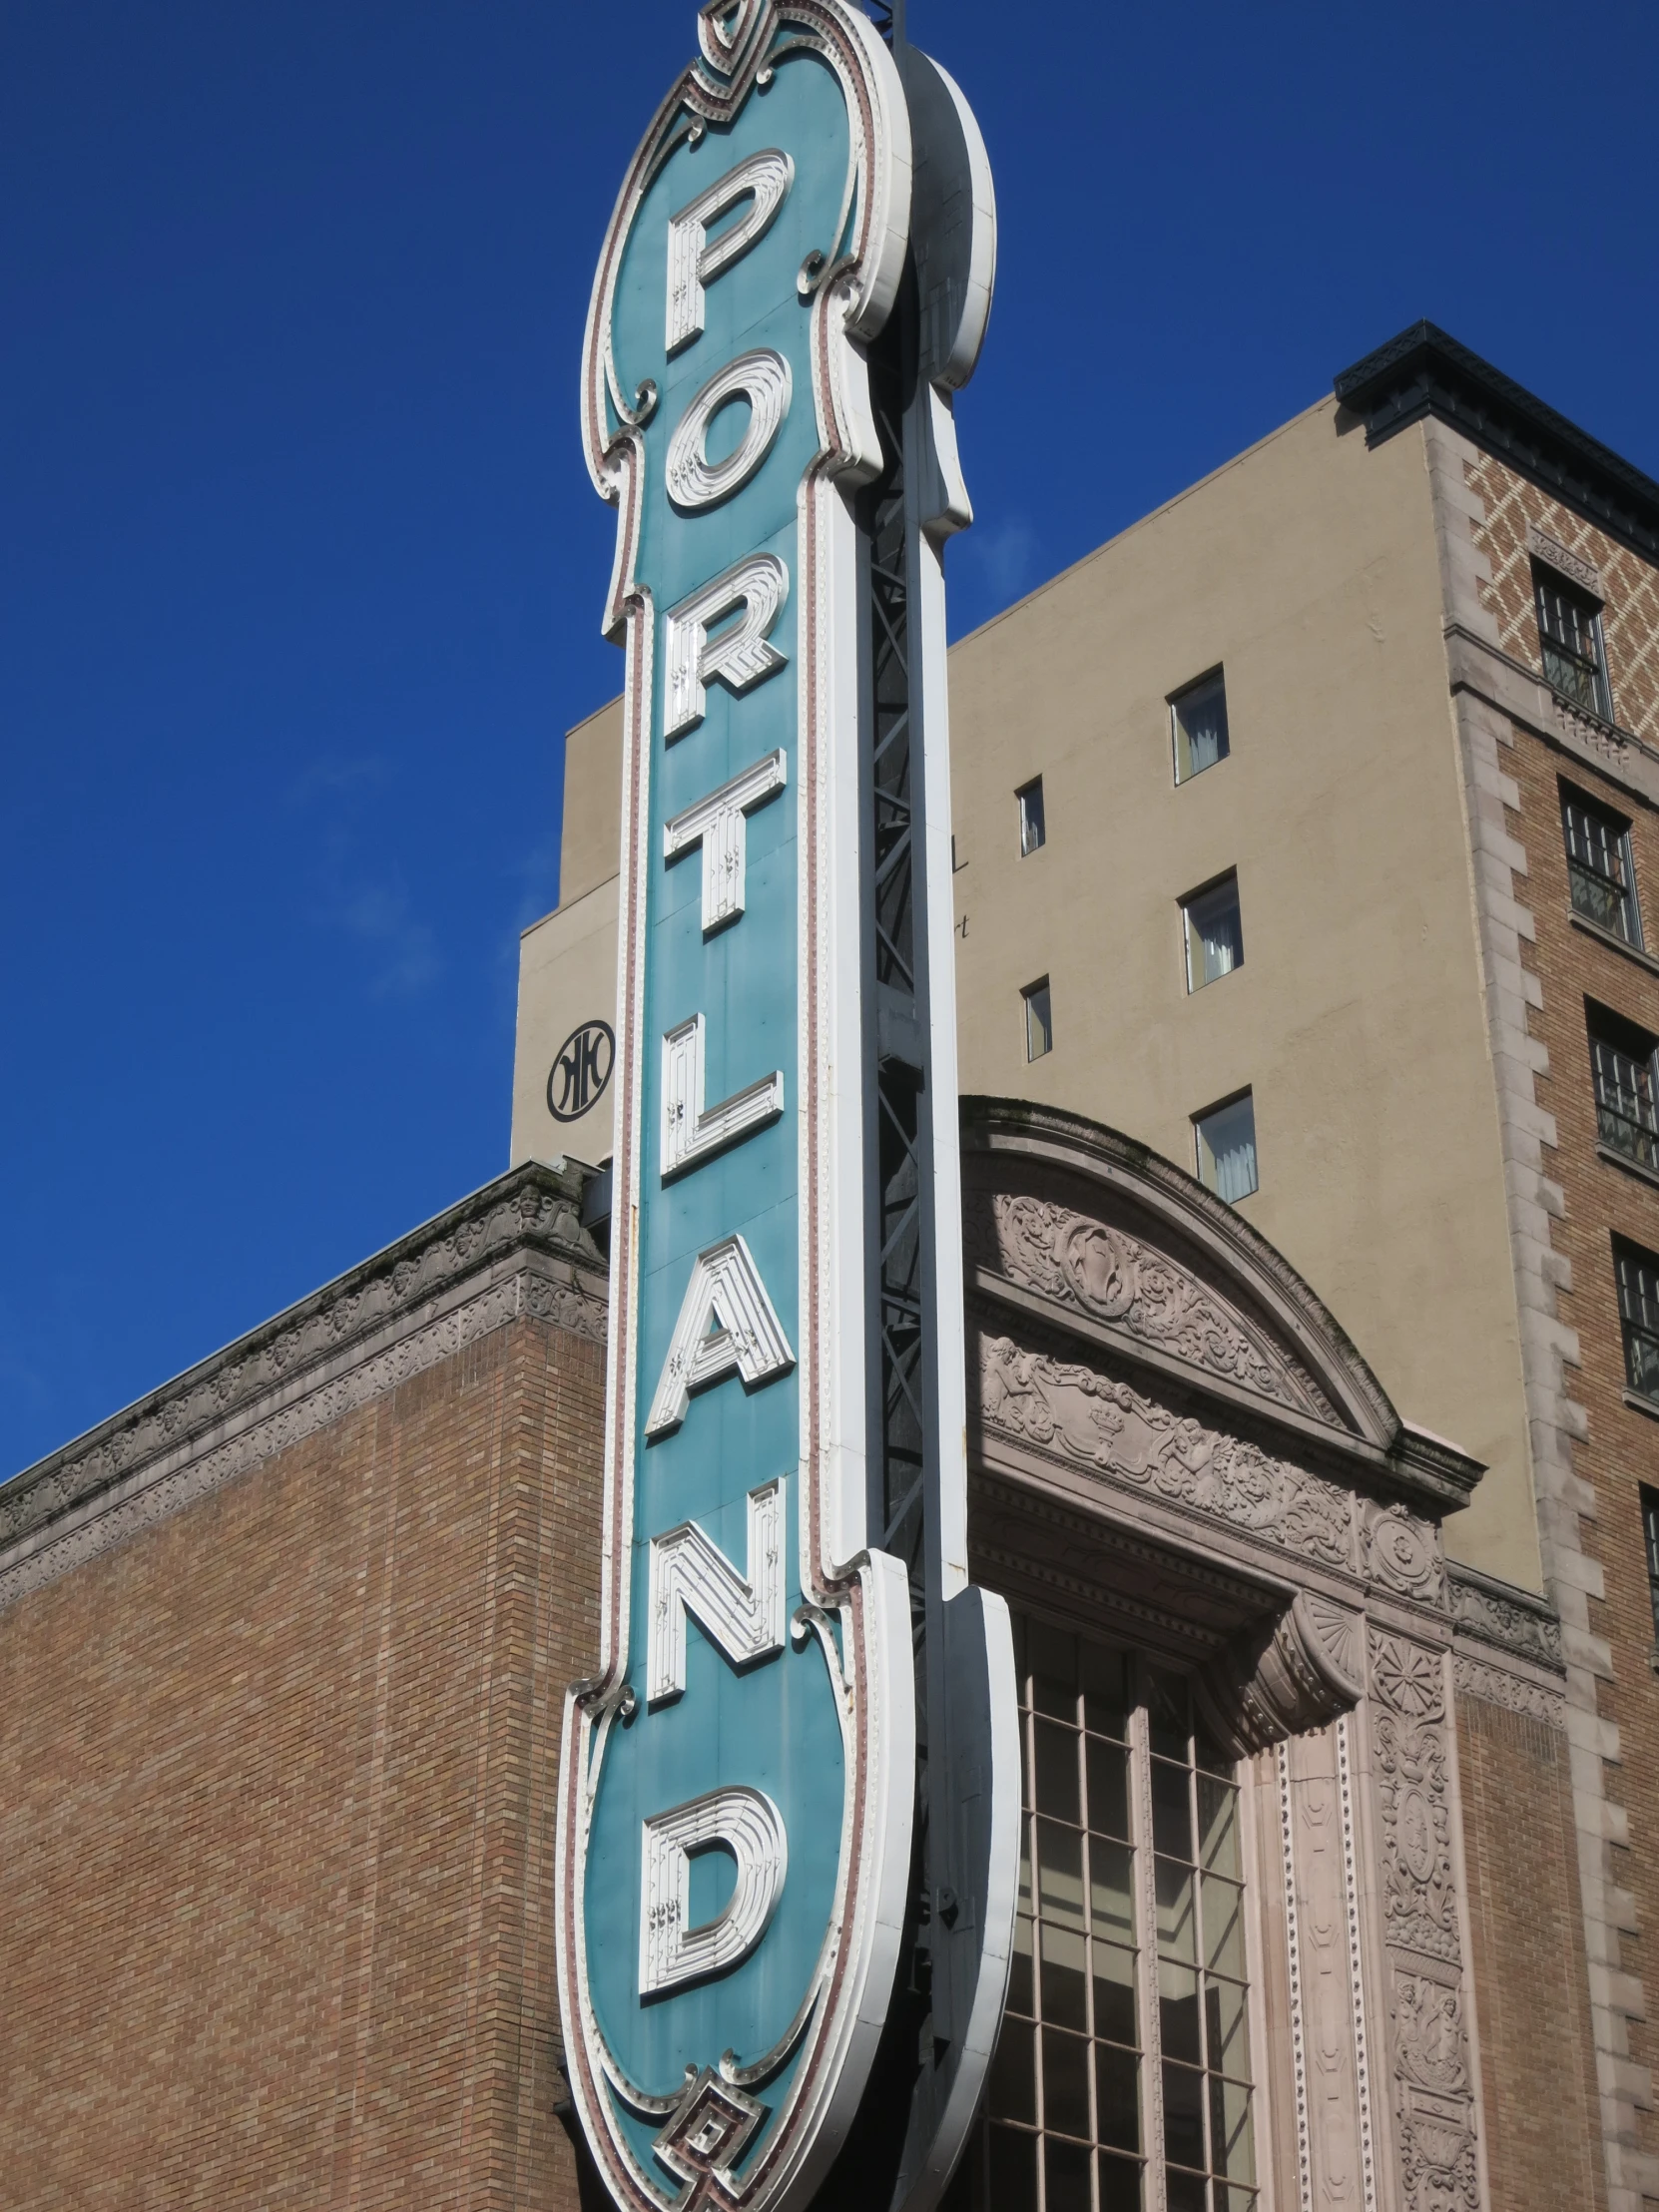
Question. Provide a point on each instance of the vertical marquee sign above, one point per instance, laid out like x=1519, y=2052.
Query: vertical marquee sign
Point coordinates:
x=788, y=1819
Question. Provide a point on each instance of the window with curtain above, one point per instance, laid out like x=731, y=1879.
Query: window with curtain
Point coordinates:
x=1039, y=1019
x=1198, y=720
x=1213, y=931
x=1638, y=1273
x=1226, y=1138
x=1600, y=874
x=1569, y=636
x=1622, y=1067
x=1129, y=1964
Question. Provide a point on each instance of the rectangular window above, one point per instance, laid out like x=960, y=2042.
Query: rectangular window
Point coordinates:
x=1622, y=1066
x=1039, y=1020
x=1570, y=632
x=1033, y=833
x=1638, y=1273
x=1129, y=1951
x=1599, y=868
x=1227, y=1148
x=1214, y=932
x=1198, y=720
x=1650, y=1537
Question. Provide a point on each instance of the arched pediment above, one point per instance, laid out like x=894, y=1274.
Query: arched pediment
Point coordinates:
x=1096, y=1239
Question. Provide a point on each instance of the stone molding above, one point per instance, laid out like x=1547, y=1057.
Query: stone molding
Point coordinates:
x=1430, y=2002
x=515, y=1249
x=1509, y=1620
x=1071, y=1411
x=1114, y=1276
x=1573, y=566
x=1177, y=1207
x=1492, y=695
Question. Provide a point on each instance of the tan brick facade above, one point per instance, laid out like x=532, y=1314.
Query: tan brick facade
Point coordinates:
x=276, y=1801
x=1614, y=1448
x=1537, y=2058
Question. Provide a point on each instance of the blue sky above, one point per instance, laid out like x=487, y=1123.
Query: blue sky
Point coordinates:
x=301, y=570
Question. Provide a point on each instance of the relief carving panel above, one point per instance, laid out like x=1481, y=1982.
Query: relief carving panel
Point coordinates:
x=1433, y=2093
x=1113, y=1276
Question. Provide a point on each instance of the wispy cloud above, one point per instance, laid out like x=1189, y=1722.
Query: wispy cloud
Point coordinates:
x=1006, y=555
x=370, y=904
x=332, y=779
x=405, y=957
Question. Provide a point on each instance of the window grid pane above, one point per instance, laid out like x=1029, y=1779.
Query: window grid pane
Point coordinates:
x=1569, y=632
x=1639, y=1314
x=1626, y=1115
x=1599, y=872
x=1064, y=2110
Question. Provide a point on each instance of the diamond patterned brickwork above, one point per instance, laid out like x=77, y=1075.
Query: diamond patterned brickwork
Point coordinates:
x=1631, y=620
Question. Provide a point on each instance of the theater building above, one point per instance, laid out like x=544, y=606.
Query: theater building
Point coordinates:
x=1304, y=838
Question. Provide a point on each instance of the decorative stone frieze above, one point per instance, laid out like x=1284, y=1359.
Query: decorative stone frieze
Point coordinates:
x=515, y=1249
x=1430, y=2001
x=1116, y=1276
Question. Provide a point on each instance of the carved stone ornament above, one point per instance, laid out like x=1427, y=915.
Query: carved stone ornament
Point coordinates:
x=1434, y=2112
x=1510, y=1620
x=1109, y=1424
x=516, y=1247
x=1115, y=1278
x=1304, y=1672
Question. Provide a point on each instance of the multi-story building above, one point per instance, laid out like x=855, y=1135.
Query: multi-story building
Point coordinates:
x=1306, y=844
x=1305, y=833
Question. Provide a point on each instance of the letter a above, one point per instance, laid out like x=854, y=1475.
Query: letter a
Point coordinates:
x=746, y=1339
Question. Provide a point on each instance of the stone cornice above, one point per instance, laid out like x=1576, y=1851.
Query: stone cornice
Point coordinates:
x=517, y=1247
x=1424, y=371
x=1507, y=1620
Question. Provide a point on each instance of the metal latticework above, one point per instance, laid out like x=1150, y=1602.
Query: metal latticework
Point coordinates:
x=892, y=932
x=888, y=18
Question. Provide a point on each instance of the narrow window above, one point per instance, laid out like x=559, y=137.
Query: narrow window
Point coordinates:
x=1599, y=866
x=1032, y=830
x=1128, y=1996
x=1227, y=1148
x=1197, y=719
x=1650, y=1535
x=1039, y=1020
x=1638, y=1273
x=1622, y=1066
x=1213, y=931
x=1570, y=632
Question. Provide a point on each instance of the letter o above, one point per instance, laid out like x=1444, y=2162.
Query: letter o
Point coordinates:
x=760, y=377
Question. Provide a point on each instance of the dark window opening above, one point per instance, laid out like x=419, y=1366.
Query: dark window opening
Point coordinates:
x=1600, y=872
x=1198, y=718
x=1569, y=631
x=1622, y=1064
x=1638, y=1273
x=1033, y=830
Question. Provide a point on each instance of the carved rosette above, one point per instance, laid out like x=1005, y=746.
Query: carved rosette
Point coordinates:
x=1434, y=2090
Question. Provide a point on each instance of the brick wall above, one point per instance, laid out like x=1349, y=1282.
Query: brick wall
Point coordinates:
x=1537, y=2057
x=277, y=1805
x=1619, y=1448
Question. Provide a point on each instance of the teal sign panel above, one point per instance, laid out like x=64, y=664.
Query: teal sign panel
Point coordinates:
x=736, y=1798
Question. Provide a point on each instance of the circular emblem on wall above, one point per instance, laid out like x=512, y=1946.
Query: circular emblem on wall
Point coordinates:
x=581, y=1075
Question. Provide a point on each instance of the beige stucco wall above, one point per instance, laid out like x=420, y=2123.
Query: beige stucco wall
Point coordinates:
x=1308, y=569
x=566, y=976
